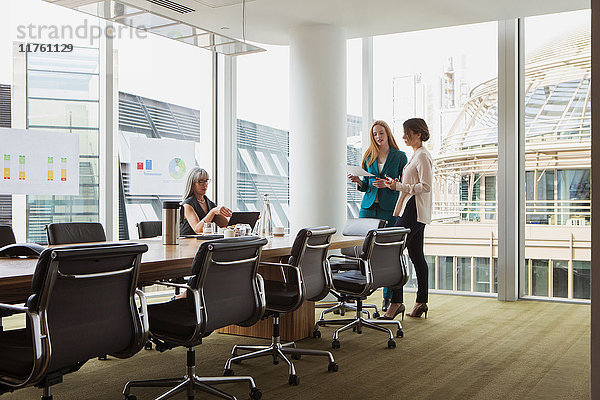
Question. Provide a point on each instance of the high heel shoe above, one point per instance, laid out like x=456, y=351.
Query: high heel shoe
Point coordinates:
x=400, y=309
x=420, y=308
x=386, y=303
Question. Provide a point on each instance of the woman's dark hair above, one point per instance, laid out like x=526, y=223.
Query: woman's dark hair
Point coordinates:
x=417, y=125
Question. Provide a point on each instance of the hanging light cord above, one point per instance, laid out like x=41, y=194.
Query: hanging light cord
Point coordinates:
x=244, y=20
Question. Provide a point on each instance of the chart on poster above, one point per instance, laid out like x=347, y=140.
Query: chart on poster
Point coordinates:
x=39, y=162
x=159, y=166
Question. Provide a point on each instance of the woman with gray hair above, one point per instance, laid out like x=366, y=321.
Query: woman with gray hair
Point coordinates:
x=197, y=208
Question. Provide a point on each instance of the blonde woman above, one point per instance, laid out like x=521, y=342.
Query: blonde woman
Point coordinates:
x=382, y=158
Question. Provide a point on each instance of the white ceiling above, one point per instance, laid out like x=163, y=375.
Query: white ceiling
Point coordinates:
x=270, y=21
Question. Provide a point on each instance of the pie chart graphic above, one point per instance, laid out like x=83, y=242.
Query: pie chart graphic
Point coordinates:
x=177, y=168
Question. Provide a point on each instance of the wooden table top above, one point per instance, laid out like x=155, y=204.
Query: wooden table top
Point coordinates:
x=159, y=262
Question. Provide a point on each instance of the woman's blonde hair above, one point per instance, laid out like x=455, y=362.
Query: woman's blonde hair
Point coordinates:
x=373, y=151
x=194, y=175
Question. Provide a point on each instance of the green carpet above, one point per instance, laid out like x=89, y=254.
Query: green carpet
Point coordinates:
x=468, y=348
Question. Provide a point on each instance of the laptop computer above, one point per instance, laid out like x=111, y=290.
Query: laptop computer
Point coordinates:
x=244, y=217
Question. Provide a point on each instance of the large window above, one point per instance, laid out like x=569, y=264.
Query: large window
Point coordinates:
x=263, y=132
x=558, y=155
x=165, y=122
x=453, y=86
x=62, y=96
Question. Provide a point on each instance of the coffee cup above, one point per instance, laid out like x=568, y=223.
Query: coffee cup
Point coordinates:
x=228, y=233
x=278, y=231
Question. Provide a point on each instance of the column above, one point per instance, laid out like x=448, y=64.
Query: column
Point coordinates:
x=511, y=157
x=317, y=127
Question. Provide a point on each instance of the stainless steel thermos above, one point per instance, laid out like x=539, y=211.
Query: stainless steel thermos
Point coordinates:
x=170, y=222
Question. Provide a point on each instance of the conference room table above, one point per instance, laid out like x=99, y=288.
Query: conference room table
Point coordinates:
x=171, y=261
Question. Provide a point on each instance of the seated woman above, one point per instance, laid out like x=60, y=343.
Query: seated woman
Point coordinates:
x=197, y=209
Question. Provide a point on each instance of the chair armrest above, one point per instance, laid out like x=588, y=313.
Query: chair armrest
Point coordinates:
x=282, y=266
x=344, y=257
x=14, y=309
x=177, y=285
x=143, y=310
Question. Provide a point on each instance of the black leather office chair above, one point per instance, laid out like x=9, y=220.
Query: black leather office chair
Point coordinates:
x=7, y=236
x=149, y=229
x=307, y=277
x=225, y=289
x=75, y=232
x=352, y=227
x=82, y=305
x=381, y=264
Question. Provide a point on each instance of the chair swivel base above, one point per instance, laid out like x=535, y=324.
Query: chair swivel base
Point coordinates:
x=357, y=324
x=277, y=350
x=191, y=382
x=341, y=307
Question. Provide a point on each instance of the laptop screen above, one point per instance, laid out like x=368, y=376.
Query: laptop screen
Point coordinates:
x=244, y=217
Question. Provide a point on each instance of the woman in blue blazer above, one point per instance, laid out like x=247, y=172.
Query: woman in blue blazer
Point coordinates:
x=382, y=158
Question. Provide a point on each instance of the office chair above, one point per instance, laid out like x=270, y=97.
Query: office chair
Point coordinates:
x=381, y=264
x=82, y=305
x=149, y=229
x=225, y=289
x=306, y=277
x=75, y=232
x=7, y=236
x=352, y=227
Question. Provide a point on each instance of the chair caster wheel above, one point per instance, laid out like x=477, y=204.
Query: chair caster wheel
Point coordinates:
x=332, y=367
x=400, y=333
x=296, y=356
x=391, y=344
x=294, y=380
x=335, y=344
x=376, y=315
x=359, y=331
x=236, y=361
x=103, y=357
x=336, y=312
x=316, y=334
x=148, y=345
x=255, y=394
x=228, y=372
x=275, y=362
x=342, y=313
x=129, y=397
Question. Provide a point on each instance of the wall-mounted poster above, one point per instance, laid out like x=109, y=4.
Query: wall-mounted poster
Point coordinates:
x=39, y=162
x=159, y=166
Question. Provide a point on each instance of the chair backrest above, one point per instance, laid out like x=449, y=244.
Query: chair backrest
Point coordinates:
x=7, y=236
x=226, y=274
x=85, y=297
x=149, y=229
x=360, y=227
x=383, y=249
x=309, y=252
x=75, y=232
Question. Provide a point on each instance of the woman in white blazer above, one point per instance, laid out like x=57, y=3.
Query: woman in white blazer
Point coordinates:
x=413, y=210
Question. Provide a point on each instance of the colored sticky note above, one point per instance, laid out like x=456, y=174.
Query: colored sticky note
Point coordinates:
x=140, y=165
x=149, y=165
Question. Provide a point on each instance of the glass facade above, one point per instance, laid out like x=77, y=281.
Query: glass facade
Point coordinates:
x=63, y=96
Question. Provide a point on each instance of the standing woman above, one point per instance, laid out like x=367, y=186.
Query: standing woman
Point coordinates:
x=197, y=208
x=382, y=158
x=414, y=211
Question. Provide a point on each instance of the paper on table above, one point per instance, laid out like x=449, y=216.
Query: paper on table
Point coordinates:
x=357, y=171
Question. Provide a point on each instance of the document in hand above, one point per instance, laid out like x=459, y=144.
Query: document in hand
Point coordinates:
x=357, y=171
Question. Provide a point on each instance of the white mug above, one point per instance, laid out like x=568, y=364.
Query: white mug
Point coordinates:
x=278, y=230
x=228, y=233
x=208, y=228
